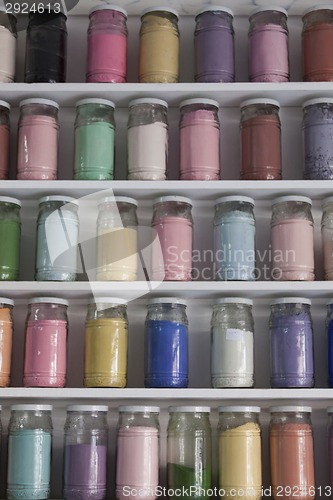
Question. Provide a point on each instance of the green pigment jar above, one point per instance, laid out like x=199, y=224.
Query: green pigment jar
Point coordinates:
x=10, y=236
x=94, y=140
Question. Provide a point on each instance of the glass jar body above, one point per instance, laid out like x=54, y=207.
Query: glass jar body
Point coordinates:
x=260, y=129
x=166, y=346
x=4, y=136
x=292, y=241
x=10, y=236
x=317, y=38
x=56, y=241
x=291, y=338
x=45, y=361
x=106, y=340
x=234, y=241
x=6, y=340
x=8, y=38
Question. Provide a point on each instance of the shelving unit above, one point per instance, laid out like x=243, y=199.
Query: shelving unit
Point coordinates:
x=200, y=294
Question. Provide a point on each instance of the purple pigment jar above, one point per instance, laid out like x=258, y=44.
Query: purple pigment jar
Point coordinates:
x=214, y=45
x=291, y=338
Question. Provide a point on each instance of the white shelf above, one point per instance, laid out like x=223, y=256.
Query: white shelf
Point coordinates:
x=239, y=7
x=194, y=289
x=147, y=190
x=227, y=94
x=318, y=398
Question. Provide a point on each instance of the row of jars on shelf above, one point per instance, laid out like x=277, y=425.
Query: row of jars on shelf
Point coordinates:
x=166, y=354
x=189, y=453
x=147, y=140
x=213, y=45
x=172, y=257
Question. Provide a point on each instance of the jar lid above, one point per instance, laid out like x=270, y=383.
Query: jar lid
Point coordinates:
x=139, y=409
x=198, y=100
x=179, y=199
x=108, y=300
x=328, y=303
x=265, y=8
x=327, y=201
x=48, y=300
x=33, y=100
x=239, y=409
x=283, y=199
x=56, y=197
x=317, y=7
x=290, y=409
x=189, y=409
x=330, y=409
x=234, y=300
x=250, y=102
x=31, y=408
x=227, y=199
x=160, y=8
x=120, y=199
x=291, y=300
x=87, y=408
x=4, y=103
x=106, y=6
x=95, y=100
x=8, y=199
x=4, y=300
x=167, y=300
x=214, y=8
x=147, y=100
x=318, y=100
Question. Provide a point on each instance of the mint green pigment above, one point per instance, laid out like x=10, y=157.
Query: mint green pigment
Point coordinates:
x=10, y=235
x=29, y=461
x=94, y=151
x=180, y=476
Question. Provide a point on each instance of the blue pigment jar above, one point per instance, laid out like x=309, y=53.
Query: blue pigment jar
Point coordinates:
x=166, y=343
x=329, y=329
x=234, y=239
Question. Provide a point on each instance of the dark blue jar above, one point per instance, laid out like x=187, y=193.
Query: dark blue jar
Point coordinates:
x=166, y=343
x=329, y=329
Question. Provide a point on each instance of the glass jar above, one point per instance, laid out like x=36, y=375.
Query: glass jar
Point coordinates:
x=239, y=444
x=234, y=239
x=260, y=130
x=329, y=331
x=166, y=343
x=8, y=36
x=159, y=46
x=46, y=47
x=10, y=237
x=29, y=452
x=147, y=138
x=57, y=239
x=189, y=450
x=214, y=45
x=45, y=361
x=105, y=363
x=317, y=130
x=117, y=239
x=327, y=237
x=137, y=462
x=291, y=339
x=107, y=45
x=94, y=140
x=37, y=142
x=199, y=130
x=291, y=453
x=85, y=452
x=317, y=39
x=292, y=239
x=6, y=338
x=268, y=50
x=232, y=343
x=330, y=445
x=4, y=134
x=172, y=239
